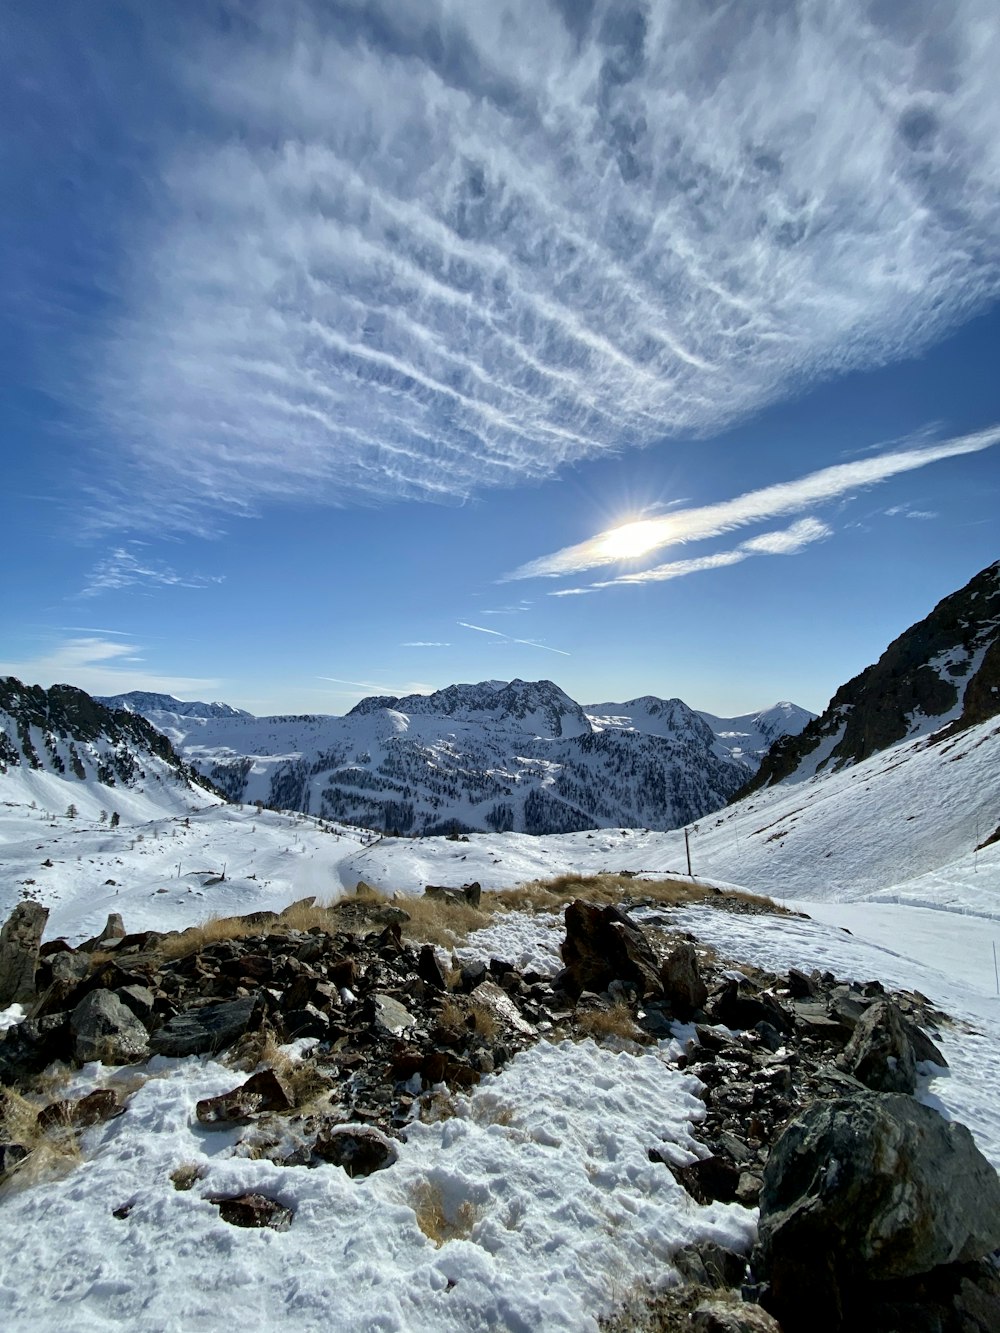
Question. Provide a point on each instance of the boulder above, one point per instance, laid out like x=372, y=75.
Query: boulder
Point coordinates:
x=880, y=1052
x=359, y=1149
x=732, y=1317
x=602, y=945
x=868, y=1188
x=738, y=1006
x=469, y=894
x=81, y=1112
x=28, y=1047
x=212, y=1027
x=682, y=981
x=19, y=942
x=264, y=1091
x=105, y=1029
x=253, y=1210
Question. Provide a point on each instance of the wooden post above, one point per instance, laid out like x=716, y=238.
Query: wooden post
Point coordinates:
x=687, y=848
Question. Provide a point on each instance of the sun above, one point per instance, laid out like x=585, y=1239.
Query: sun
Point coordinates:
x=630, y=540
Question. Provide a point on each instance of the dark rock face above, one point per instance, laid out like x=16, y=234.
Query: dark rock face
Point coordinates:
x=682, y=981
x=265, y=1091
x=19, y=942
x=211, y=1027
x=869, y=1188
x=880, y=1052
x=359, y=1149
x=876, y=707
x=105, y=1029
x=602, y=945
x=254, y=1210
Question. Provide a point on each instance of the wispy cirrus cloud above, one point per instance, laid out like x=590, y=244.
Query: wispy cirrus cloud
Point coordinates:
x=415, y=248
x=789, y=541
x=127, y=567
x=101, y=666
x=691, y=525
x=507, y=638
x=424, y=643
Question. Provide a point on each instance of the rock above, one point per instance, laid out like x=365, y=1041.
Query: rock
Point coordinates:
x=253, y=1210
x=737, y=1007
x=19, y=942
x=682, y=981
x=359, y=1149
x=105, y=1029
x=497, y=1002
x=11, y=1156
x=429, y=970
x=748, y=1190
x=710, y=1265
x=732, y=1317
x=93, y=1109
x=603, y=945
x=139, y=999
x=801, y=986
x=924, y=1050
x=209, y=1028
x=305, y=1022
x=264, y=1091
x=391, y=1015
x=28, y=1047
x=868, y=1188
x=473, y=974
x=880, y=1053
x=470, y=894
x=709, y=1180
x=301, y=904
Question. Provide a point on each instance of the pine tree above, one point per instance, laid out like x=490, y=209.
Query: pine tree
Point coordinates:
x=114, y=819
x=71, y=811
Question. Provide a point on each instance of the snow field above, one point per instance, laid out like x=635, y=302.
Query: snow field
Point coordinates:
x=543, y=1171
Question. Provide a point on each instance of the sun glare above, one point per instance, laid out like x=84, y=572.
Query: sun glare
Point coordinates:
x=630, y=540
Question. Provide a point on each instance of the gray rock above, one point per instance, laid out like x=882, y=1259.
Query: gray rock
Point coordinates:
x=732, y=1317
x=19, y=941
x=254, y=1210
x=869, y=1188
x=105, y=1029
x=263, y=1091
x=359, y=1149
x=212, y=1027
x=139, y=999
x=682, y=981
x=880, y=1052
x=391, y=1015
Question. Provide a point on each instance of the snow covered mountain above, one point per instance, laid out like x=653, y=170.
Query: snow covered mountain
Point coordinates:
x=746, y=738
x=61, y=748
x=940, y=676
x=517, y=755
x=145, y=702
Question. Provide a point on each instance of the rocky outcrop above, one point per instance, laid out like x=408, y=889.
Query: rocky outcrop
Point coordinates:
x=865, y=1189
x=104, y=1029
x=19, y=942
x=948, y=661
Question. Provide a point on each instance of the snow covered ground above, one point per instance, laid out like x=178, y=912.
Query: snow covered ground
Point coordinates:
x=544, y=1171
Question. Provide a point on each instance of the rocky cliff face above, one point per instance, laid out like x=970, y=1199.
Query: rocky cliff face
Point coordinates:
x=941, y=675
x=64, y=731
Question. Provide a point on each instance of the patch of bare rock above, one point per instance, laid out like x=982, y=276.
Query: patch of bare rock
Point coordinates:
x=876, y=1214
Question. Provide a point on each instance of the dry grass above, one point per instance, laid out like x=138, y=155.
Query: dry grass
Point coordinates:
x=210, y=931
x=485, y=1020
x=551, y=895
x=187, y=1175
x=438, y=1106
x=616, y=1022
x=440, y=920
x=427, y=1201
x=52, y=1151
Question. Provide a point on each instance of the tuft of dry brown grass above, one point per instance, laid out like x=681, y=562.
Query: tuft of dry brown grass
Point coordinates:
x=52, y=1151
x=187, y=1175
x=427, y=1202
x=440, y=921
x=210, y=931
x=617, y=1022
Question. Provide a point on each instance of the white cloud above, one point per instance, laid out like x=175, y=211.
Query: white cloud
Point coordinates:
x=123, y=567
x=789, y=497
x=529, y=643
x=424, y=643
x=790, y=541
x=97, y=666
x=433, y=247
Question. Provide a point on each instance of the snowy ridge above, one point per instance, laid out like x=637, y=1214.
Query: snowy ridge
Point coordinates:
x=519, y=756
x=944, y=670
x=144, y=702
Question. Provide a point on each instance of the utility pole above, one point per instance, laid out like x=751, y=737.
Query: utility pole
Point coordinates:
x=687, y=849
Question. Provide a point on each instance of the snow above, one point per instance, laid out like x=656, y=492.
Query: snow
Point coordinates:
x=547, y=1164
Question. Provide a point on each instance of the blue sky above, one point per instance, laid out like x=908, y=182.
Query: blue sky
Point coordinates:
x=366, y=347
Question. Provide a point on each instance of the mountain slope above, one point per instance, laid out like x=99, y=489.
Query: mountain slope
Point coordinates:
x=745, y=739
x=521, y=755
x=943, y=672
x=145, y=702
x=60, y=747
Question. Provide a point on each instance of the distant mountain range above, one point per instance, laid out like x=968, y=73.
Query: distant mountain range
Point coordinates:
x=495, y=756
x=144, y=702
